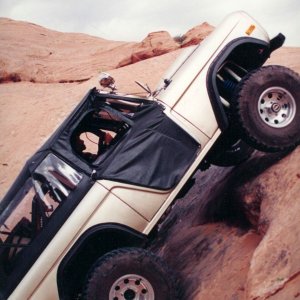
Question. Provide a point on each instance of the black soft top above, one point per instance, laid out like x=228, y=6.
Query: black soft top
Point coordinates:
x=153, y=151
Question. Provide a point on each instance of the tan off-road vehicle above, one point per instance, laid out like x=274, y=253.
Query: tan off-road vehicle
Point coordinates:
x=77, y=221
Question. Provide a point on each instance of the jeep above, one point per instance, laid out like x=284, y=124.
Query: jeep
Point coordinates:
x=76, y=222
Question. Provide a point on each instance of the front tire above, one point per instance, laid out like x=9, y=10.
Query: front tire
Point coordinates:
x=266, y=108
x=128, y=274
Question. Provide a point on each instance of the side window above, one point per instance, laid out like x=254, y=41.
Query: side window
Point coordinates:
x=90, y=145
x=96, y=133
x=32, y=207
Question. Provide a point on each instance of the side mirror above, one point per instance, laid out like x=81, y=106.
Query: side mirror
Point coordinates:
x=107, y=81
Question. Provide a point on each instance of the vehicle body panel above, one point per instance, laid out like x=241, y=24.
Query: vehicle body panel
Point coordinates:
x=143, y=200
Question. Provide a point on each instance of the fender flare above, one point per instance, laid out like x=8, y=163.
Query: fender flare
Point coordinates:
x=92, y=244
x=213, y=93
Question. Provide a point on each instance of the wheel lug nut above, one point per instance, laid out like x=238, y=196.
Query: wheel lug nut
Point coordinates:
x=137, y=282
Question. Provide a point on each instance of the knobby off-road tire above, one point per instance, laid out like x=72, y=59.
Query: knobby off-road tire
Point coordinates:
x=227, y=154
x=130, y=273
x=266, y=108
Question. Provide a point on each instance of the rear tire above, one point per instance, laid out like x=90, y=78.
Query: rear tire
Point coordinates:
x=130, y=273
x=266, y=108
x=230, y=155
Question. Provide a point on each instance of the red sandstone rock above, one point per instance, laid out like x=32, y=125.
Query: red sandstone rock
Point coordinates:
x=33, y=53
x=215, y=260
x=155, y=44
x=197, y=34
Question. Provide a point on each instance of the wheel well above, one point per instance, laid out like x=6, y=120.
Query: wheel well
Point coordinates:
x=244, y=55
x=94, y=243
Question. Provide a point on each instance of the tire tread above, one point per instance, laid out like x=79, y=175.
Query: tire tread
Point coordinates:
x=110, y=256
x=237, y=109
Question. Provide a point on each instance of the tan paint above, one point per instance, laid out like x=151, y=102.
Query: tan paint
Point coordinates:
x=98, y=206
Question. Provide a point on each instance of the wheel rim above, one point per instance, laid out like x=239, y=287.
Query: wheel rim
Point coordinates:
x=131, y=287
x=277, y=107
